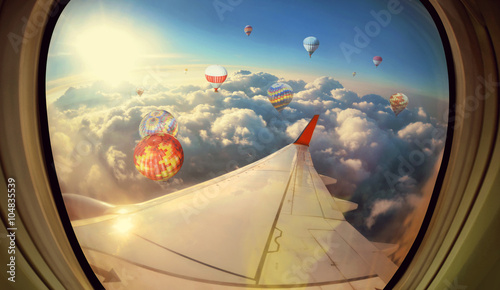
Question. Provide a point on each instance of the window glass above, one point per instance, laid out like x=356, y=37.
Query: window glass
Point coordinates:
x=156, y=107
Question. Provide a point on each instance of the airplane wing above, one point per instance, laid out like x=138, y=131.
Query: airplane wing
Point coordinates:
x=271, y=224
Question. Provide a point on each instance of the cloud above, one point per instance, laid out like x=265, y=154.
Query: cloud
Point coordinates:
x=356, y=166
x=117, y=161
x=238, y=126
x=415, y=130
x=364, y=106
x=250, y=83
x=421, y=112
x=385, y=206
x=381, y=207
x=324, y=85
x=98, y=94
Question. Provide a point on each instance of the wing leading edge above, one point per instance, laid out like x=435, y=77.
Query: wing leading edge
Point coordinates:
x=272, y=223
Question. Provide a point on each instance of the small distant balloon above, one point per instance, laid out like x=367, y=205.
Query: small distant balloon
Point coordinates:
x=216, y=75
x=399, y=102
x=311, y=43
x=158, y=121
x=248, y=29
x=158, y=156
x=353, y=73
x=140, y=91
x=280, y=95
x=185, y=70
x=377, y=60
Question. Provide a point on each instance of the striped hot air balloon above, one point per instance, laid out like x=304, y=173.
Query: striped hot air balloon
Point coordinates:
x=158, y=121
x=399, y=102
x=248, y=29
x=377, y=60
x=216, y=75
x=311, y=43
x=158, y=156
x=280, y=95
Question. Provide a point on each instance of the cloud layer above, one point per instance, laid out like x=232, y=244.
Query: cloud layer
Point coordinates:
x=380, y=161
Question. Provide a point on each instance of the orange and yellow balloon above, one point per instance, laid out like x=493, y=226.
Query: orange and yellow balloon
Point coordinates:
x=158, y=156
x=248, y=29
x=399, y=102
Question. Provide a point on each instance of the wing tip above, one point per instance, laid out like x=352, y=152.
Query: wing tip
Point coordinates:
x=306, y=135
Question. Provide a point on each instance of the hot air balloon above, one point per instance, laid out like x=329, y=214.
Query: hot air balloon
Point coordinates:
x=353, y=73
x=158, y=156
x=158, y=121
x=280, y=95
x=216, y=75
x=248, y=29
x=311, y=43
x=140, y=91
x=185, y=71
x=398, y=102
x=377, y=60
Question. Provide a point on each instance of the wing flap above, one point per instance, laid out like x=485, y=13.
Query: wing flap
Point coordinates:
x=345, y=205
x=327, y=180
x=372, y=256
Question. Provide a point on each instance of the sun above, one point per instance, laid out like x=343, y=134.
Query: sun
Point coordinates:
x=108, y=53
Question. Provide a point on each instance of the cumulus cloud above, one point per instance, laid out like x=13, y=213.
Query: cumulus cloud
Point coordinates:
x=415, y=130
x=356, y=166
x=422, y=113
x=365, y=106
x=238, y=126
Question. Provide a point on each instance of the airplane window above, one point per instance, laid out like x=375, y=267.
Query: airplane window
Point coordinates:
x=230, y=143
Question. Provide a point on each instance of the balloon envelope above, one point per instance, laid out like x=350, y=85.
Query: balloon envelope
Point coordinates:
x=248, y=29
x=158, y=121
x=280, y=95
x=377, y=60
x=311, y=43
x=354, y=73
x=140, y=91
x=216, y=75
x=158, y=156
x=399, y=102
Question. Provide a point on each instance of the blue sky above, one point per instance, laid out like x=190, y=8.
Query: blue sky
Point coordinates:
x=190, y=33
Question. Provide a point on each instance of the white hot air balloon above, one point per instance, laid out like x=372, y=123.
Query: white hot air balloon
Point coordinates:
x=311, y=43
x=216, y=75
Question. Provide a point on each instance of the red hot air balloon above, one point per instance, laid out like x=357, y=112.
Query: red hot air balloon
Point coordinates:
x=377, y=60
x=248, y=30
x=216, y=75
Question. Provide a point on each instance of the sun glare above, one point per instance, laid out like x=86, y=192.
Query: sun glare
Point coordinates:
x=108, y=53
